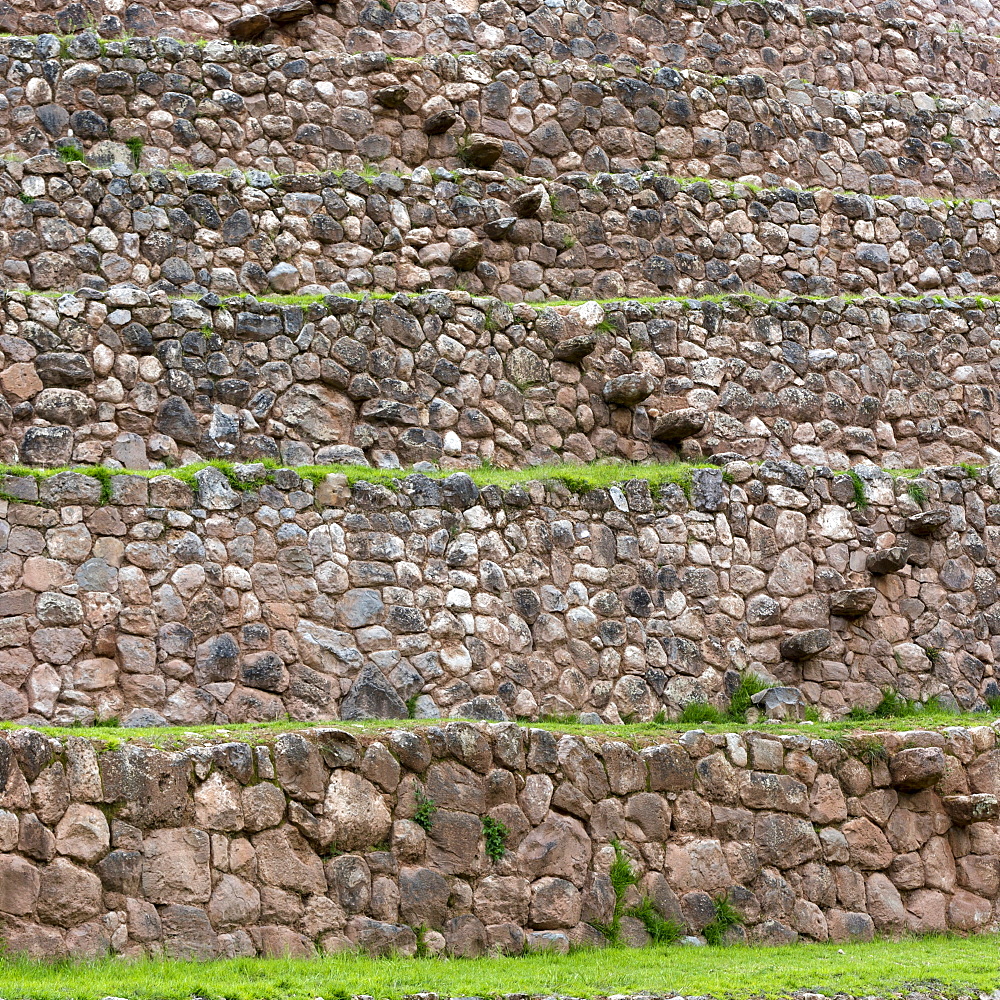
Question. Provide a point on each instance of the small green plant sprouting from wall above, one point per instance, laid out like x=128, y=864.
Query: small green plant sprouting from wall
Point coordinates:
x=495, y=834
x=135, y=145
x=623, y=876
x=866, y=747
x=26, y=198
x=917, y=493
x=421, y=933
x=70, y=154
x=740, y=702
x=725, y=918
x=860, y=496
x=424, y=815
x=658, y=927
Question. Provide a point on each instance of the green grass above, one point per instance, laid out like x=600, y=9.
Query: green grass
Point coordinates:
x=941, y=964
x=635, y=733
x=577, y=478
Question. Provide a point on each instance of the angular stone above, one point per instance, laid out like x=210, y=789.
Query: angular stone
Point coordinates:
x=372, y=697
x=628, y=390
x=176, y=866
x=355, y=816
x=678, y=424
x=244, y=29
x=917, y=768
x=68, y=895
x=885, y=561
x=853, y=603
x=574, y=349
x=805, y=645
x=439, y=122
x=980, y=807
x=927, y=522
x=781, y=702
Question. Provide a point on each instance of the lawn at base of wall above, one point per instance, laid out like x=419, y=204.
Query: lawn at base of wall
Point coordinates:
x=947, y=966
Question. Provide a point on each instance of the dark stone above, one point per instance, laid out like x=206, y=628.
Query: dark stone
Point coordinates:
x=805, y=644
x=47, y=446
x=885, y=561
x=175, y=419
x=575, y=348
x=465, y=258
x=288, y=13
x=853, y=603
x=678, y=424
x=980, y=807
x=63, y=369
x=439, y=122
x=629, y=390
x=927, y=522
x=526, y=205
x=485, y=707
x=392, y=97
x=482, y=151
x=372, y=697
x=243, y=29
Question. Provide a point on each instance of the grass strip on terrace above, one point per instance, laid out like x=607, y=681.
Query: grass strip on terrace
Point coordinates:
x=945, y=966
x=578, y=478
x=637, y=734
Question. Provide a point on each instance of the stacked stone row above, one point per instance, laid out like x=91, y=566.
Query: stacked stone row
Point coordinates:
x=234, y=849
x=581, y=236
x=138, y=379
x=220, y=107
x=243, y=602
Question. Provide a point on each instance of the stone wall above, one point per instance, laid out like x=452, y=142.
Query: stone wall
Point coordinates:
x=235, y=849
x=228, y=605
x=281, y=109
x=580, y=237
x=949, y=49
x=133, y=377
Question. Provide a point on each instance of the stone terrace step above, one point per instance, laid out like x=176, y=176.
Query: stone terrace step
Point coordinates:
x=284, y=109
x=876, y=49
x=131, y=376
x=235, y=596
x=581, y=236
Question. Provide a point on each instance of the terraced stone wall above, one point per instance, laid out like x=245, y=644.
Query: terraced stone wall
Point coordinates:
x=312, y=842
x=227, y=605
x=887, y=47
x=134, y=377
x=283, y=109
x=580, y=237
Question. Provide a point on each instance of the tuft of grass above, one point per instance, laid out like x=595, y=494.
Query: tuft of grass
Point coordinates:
x=865, y=746
x=860, y=496
x=892, y=706
x=135, y=145
x=740, y=702
x=70, y=154
x=695, y=712
x=658, y=927
x=725, y=918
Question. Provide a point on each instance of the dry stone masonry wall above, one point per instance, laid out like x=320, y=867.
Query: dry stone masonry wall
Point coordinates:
x=582, y=236
x=215, y=605
x=134, y=378
x=236, y=849
x=272, y=108
x=382, y=235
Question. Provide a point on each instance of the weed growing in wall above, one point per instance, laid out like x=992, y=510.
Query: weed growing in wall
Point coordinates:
x=726, y=917
x=495, y=834
x=426, y=807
